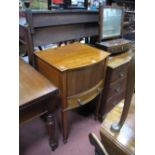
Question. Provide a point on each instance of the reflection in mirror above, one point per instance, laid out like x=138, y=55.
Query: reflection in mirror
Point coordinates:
x=111, y=22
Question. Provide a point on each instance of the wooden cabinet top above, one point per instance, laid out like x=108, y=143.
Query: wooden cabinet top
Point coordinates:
x=120, y=59
x=32, y=84
x=72, y=56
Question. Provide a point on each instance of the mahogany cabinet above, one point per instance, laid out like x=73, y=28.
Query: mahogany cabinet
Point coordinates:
x=115, y=82
x=78, y=70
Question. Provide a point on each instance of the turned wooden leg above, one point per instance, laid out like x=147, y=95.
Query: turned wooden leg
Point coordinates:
x=129, y=92
x=51, y=127
x=64, y=126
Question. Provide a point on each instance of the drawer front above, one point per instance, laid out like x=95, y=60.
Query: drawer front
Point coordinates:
x=114, y=50
x=126, y=47
x=83, y=79
x=119, y=73
x=84, y=97
x=113, y=101
x=119, y=48
x=117, y=87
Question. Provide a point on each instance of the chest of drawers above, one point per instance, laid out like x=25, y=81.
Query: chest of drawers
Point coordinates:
x=115, y=82
x=78, y=71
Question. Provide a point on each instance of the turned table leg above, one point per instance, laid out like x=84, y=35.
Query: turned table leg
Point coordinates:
x=64, y=126
x=51, y=128
x=51, y=131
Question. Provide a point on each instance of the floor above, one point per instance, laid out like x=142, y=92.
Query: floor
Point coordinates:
x=126, y=137
x=34, y=140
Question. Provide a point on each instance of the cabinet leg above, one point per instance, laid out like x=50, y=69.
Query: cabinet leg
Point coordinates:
x=98, y=105
x=51, y=128
x=64, y=126
x=128, y=96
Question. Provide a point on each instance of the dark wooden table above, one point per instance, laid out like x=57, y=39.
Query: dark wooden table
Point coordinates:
x=37, y=96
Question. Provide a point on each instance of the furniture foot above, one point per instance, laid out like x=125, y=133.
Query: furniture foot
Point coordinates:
x=101, y=117
x=51, y=131
x=53, y=146
x=115, y=127
x=64, y=141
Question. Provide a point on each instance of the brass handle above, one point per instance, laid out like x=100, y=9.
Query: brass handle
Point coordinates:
x=79, y=102
x=121, y=75
x=98, y=90
x=117, y=90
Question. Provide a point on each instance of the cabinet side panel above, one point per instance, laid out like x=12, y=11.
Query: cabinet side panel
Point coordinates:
x=48, y=71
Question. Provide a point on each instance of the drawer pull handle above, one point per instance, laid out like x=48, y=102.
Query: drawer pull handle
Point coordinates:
x=79, y=102
x=98, y=90
x=117, y=90
x=121, y=75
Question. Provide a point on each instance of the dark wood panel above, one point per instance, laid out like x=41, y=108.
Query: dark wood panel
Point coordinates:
x=33, y=110
x=117, y=87
x=56, y=34
x=46, y=27
x=59, y=18
x=23, y=32
x=119, y=73
x=113, y=101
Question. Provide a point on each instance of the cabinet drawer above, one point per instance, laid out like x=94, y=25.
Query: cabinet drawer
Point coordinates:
x=119, y=73
x=114, y=50
x=85, y=97
x=117, y=87
x=113, y=101
x=83, y=79
x=119, y=48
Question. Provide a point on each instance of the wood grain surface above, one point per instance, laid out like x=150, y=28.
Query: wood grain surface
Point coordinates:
x=73, y=56
x=32, y=84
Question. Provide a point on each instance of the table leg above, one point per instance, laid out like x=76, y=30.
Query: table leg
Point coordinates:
x=64, y=126
x=51, y=127
x=98, y=104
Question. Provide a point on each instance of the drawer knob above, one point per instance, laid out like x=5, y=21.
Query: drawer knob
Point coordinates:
x=121, y=75
x=79, y=102
x=98, y=90
x=117, y=90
